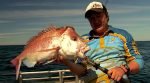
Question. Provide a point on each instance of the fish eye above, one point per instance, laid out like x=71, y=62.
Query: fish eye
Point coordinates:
x=74, y=38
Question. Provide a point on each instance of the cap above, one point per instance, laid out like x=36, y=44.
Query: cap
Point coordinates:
x=95, y=6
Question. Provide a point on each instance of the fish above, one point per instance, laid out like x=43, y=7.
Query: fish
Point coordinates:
x=48, y=45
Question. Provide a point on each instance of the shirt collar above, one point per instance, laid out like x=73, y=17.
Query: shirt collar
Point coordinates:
x=92, y=36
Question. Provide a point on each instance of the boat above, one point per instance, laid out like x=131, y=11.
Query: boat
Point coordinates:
x=55, y=76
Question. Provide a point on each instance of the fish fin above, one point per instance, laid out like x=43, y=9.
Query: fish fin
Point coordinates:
x=46, y=50
x=16, y=62
x=18, y=69
x=29, y=63
x=51, y=30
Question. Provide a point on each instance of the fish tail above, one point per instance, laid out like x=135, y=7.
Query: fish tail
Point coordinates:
x=16, y=62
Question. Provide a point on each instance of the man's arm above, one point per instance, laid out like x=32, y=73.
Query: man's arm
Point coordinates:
x=134, y=59
x=133, y=67
x=75, y=68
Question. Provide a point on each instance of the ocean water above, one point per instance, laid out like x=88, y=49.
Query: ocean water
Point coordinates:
x=8, y=52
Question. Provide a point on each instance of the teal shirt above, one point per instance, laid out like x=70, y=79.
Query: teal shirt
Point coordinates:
x=115, y=49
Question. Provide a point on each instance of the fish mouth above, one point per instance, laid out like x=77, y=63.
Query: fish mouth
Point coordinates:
x=83, y=50
x=86, y=49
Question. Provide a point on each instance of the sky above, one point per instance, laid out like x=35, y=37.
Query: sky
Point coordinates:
x=20, y=20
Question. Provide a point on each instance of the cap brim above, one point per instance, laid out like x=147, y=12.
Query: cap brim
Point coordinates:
x=87, y=13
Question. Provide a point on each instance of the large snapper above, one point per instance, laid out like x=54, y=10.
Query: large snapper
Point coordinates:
x=49, y=44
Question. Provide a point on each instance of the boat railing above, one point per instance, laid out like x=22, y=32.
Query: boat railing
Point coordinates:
x=38, y=75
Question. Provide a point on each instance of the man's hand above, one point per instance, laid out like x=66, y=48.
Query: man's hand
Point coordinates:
x=117, y=73
x=61, y=59
x=75, y=68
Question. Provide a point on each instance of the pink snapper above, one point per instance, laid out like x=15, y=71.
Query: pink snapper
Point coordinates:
x=48, y=45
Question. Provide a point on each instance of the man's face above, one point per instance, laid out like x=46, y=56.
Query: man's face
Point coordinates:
x=98, y=22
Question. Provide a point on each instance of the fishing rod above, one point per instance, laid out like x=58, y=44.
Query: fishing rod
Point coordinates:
x=105, y=70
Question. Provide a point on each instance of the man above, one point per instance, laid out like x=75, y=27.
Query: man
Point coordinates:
x=112, y=48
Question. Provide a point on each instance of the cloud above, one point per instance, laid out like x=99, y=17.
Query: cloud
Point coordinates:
x=20, y=14
x=31, y=30
x=133, y=16
x=132, y=19
x=6, y=21
x=127, y=9
x=5, y=35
